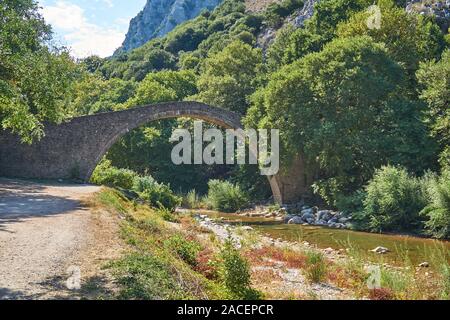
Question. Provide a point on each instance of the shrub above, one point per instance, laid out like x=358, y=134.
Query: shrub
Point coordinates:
x=185, y=249
x=106, y=174
x=351, y=203
x=316, y=268
x=157, y=194
x=438, y=210
x=235, y=274
x=393, y=202
x=225, y=196
x=146, y=277
x=192, y=200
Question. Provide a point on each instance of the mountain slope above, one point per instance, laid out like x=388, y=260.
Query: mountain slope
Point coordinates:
x=160, y=17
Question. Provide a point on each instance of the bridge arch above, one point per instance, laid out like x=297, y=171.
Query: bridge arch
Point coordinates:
x=74, y=148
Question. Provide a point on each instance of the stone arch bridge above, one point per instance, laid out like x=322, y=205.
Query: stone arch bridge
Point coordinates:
x=75, y=148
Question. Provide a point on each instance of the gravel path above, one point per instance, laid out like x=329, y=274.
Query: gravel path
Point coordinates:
x=44, y=228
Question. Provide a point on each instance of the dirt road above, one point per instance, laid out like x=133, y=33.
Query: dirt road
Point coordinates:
x=48, y=237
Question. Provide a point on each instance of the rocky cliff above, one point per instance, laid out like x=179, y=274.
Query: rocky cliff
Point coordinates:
x=161, y=16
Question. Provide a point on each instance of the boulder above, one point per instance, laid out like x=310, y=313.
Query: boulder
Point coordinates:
x=329, y=250
x=321, y=214
x=343, y=220
x=333, y=220
x=311, y=221
x=380, y=250
x=295, y=220
x=307, y=216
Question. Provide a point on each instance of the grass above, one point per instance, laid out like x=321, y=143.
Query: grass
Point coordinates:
x=316, y=267
x=186, y=261
x=171, y=262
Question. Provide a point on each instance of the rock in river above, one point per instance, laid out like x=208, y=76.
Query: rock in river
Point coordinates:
x=295, y=220
x=380, y=250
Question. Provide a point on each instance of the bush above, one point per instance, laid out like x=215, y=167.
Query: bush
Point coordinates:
x=157, y=194
x=192, y=200
x=316, y=268
x=186, y=250
x=276, y=12
x=235, y=274
x=394, y=201
x=438, y=210
x=107, y=175
x=146, y=277
x=225, y=196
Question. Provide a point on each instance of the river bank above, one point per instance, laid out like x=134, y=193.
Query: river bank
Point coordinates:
x=348, y=268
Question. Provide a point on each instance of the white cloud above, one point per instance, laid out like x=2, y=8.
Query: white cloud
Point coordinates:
x=83, y=37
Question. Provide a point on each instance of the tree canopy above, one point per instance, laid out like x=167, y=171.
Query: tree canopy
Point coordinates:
x=35, y=77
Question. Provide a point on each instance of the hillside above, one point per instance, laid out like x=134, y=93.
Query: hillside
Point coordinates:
x=160, y=17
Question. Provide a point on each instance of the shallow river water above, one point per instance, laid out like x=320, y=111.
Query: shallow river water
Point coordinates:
x=416, y=249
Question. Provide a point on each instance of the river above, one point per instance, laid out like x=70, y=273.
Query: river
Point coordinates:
x=402, y=248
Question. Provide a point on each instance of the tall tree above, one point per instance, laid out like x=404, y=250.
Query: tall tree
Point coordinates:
x=228, y=78
x=343, y=109
x=434, y=76
x=35, y=78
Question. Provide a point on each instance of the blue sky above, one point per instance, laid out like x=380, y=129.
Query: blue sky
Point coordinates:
x=90, y=26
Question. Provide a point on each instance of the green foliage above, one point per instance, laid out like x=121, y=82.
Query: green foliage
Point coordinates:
x=434, y=76
x=394, y=201
x=146, y=277
x=137, y=64
x=249, y=178
x=438, y=209
x=316, y=268
x=106, y=174
x=351, y=203
x=157, y=194
x=235, y=274
x=228, y=77
x=92, y=94
x=227, y=22
x=185, y=249
x=164, y=86
x=344, y=109
x=292, y=44
x=35, y=78
x=226, y=197
x=409, y=38
x=278, y=11
x=329, y=13
x=192, y=200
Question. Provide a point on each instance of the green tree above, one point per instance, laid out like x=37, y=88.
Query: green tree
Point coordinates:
x=409, y=38
x=292, y=43
x=35, y=79
x=147, y=149
x=93, y=94
x=228, y=77
x=343, y=109
x=165, y=86
x=393, y=202
x=434, y=77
